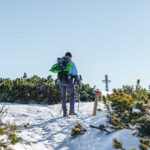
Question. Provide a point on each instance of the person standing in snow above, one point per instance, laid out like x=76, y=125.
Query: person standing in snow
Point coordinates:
x=67, y=81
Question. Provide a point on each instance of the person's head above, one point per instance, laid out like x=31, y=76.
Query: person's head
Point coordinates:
x=68, y=54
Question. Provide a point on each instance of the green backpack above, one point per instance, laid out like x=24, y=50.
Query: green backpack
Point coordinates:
x=62, y=68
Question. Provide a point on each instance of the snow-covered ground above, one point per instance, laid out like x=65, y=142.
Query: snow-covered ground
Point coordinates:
x=48, y=130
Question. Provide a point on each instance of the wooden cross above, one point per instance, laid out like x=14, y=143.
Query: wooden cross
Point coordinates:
x=149, y=87
x=106, y=81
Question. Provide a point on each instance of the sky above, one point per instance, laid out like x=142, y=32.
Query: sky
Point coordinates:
x=105, y=37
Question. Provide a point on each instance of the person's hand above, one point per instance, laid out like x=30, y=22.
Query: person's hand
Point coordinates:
x=77, y=81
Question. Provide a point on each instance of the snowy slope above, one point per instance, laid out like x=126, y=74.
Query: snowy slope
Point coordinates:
x=48, y=130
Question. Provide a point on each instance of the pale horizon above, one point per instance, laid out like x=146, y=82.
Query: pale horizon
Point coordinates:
x=104, y=37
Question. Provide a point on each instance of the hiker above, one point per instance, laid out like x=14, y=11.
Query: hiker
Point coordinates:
x=67, y=81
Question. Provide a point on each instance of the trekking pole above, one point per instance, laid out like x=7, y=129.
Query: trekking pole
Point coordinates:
x=80, y=87
x=79, y=99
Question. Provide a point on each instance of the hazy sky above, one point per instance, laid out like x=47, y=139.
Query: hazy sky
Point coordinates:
x=105, y=37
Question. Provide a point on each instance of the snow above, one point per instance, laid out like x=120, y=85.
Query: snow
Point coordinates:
x=136, y=111
x=149, y=111
x=48, y=130
x=105, y=93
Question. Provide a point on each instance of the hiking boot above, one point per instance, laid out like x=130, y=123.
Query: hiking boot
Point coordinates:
x=65, y=114
x=72, y=113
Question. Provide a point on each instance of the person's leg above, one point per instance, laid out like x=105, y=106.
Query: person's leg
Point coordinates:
x=72, y=97
x=63, y=89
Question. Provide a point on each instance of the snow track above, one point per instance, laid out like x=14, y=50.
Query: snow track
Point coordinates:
x=48, y=130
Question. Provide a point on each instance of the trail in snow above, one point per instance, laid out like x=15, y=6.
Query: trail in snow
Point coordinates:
x=48, y=130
